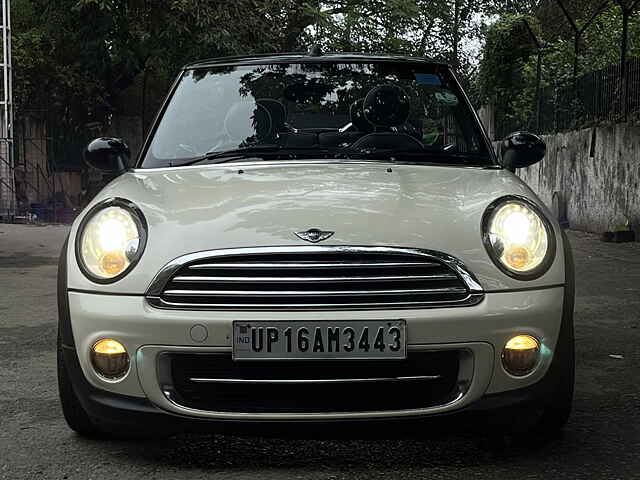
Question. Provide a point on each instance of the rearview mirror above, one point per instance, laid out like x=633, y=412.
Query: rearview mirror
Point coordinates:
x=109, y=155
x=521, y=149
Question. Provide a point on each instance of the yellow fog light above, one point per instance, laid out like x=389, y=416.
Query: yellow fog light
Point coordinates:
x=109, y=358
x=520, y=355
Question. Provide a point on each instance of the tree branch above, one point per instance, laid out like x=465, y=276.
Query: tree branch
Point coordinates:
x=568, y=15
x=580, y=30
x=595, y=15
x=531, y=34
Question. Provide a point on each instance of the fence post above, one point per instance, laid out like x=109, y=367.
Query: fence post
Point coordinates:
x=55, y=215
x=625, y=80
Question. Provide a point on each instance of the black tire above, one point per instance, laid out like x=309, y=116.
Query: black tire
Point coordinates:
x=557, y=408
x=74, y=413
x=552, y=410
x=557, y=405
x=557, y=411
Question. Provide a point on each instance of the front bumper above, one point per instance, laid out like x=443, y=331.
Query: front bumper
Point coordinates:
x=119, y=413
x=481, y=330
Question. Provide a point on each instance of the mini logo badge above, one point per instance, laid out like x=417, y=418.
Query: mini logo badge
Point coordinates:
x=314, y=235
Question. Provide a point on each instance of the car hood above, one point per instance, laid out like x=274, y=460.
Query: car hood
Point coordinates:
x=191, y=209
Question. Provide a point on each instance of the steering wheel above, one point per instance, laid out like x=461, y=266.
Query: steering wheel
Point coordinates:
x=244, y=122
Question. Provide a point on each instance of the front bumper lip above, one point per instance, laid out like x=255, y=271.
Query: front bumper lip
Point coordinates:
x=473, y=379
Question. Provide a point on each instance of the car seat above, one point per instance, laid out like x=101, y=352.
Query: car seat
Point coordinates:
x=387, y=108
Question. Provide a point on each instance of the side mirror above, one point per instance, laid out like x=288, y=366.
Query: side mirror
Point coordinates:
x=109, y=155
x=521, y=149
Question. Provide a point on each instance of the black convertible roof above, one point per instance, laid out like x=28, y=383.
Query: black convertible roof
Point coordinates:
x=311, y=58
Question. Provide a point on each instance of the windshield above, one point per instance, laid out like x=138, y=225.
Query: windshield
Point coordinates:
x=389, y=111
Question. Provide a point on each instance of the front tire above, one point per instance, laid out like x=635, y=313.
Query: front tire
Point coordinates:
x=557, y=408
x=73, y=411
x=554, y=417
x=557, y=404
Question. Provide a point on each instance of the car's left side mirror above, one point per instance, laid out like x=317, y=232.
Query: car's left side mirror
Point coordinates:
x=110, y=155
x=521, y=149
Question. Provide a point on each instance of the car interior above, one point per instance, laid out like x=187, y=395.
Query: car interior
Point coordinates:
x=378, y=121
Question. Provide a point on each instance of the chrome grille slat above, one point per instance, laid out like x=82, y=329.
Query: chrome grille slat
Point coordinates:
x=468, y=300
x=203, y=279
x=306, y=293
x=314, y=277
x=310, y=264
x=324, y=306
x=272, y=381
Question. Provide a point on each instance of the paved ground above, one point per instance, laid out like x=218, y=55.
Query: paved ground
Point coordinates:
x=602, y=439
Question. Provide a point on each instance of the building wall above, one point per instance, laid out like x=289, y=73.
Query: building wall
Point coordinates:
x=35, y=182
x=597, y=172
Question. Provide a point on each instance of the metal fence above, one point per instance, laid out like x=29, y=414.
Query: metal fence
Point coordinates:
x=598, y=97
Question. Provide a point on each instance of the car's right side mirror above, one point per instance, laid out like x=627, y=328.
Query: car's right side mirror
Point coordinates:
x=521, y=149
x=110, y=155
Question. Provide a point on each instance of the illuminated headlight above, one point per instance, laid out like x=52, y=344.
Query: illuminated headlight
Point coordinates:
x=111, y=240
x=518, y=238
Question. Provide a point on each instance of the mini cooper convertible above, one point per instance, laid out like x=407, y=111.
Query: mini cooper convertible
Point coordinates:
x=315, y=241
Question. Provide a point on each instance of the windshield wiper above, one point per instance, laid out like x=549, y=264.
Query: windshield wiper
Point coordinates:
x=233, y=154
x=259, y=151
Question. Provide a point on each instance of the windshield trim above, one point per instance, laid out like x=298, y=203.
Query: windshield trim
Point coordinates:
x=300, y=59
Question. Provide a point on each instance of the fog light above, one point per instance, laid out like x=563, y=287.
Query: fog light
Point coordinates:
x=520, y=355
x=110, y=358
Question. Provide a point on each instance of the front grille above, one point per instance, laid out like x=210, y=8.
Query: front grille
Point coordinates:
x=214, y=382
x=314, y=278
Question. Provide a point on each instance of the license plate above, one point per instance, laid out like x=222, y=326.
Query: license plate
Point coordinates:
x=335, y=340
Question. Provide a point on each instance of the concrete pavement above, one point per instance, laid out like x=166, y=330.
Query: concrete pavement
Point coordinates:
x=602, y=439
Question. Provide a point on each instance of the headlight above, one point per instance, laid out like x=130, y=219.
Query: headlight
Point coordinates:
x=518, y=238
x=110, y=240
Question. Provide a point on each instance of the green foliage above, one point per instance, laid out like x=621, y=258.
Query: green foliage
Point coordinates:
x=79, y=57
x=508, y=69
x=85, y=60
x=508, y=49
x=437, y=29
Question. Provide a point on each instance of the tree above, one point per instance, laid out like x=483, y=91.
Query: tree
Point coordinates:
x=86, y=60
x=567, y=30
x=627, y=7
x=77, y=57
x=579, y=25
x=503, y=79
x=513, y=7
x=434, y=28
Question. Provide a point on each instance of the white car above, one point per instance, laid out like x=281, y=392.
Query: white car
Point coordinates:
x=316, y=240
